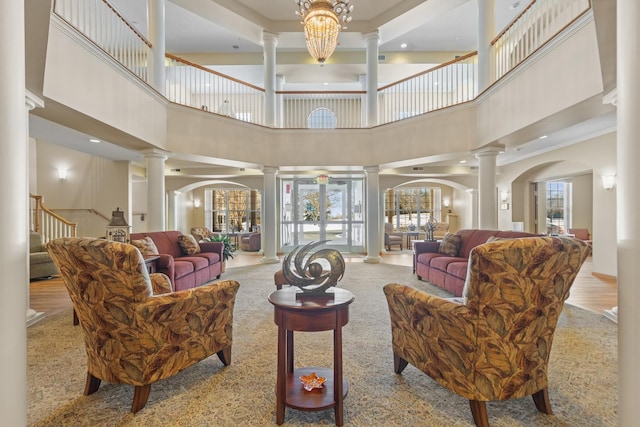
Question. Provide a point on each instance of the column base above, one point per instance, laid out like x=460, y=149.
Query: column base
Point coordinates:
x=611, y=314
x=34, y=316
x=270, y=260
x=373, y=260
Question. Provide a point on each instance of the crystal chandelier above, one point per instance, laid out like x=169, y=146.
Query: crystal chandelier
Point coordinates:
x=323, y=20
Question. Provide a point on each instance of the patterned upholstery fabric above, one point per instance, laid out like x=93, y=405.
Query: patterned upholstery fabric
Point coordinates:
x=189, y=244
x=132, y=335
x=450, y=244
x=145, y=246
x=201, y=233
x=496, y=345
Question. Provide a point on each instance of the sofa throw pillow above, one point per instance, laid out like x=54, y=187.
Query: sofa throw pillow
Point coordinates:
x=188, y=244
x=145, y=246
x=450, y=244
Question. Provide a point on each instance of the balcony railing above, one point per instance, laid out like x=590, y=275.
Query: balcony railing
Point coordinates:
x=199, y=87
x=104, y=26
x=538, y=23
x=196, y=86
x=452, y=83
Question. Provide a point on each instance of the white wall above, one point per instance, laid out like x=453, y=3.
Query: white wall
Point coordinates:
x=596, y=156
x=91, y=183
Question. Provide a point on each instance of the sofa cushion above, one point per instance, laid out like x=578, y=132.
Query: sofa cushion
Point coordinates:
x=145, y=246
x=450, y=244
x=188, y=244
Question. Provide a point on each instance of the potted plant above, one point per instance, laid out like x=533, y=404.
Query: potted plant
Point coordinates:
x=228, y=249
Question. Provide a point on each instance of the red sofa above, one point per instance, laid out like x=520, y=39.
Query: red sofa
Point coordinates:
x=185, y=272
x=450, y=272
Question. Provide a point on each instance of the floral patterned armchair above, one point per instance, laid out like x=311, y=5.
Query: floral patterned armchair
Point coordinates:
x=136, y=331
x=494, y=344
x=201, y=233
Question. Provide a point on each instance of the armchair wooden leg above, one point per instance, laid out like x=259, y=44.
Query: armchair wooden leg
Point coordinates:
x=140, y=396
x=76, y=321
x=399, y=364
x=479, y=412
x=541, y=399
x=225, y=356
x=92, y=384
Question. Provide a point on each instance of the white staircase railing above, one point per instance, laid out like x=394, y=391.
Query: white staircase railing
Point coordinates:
x=47, y=222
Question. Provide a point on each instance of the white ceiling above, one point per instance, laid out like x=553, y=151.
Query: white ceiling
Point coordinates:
x=209, y=27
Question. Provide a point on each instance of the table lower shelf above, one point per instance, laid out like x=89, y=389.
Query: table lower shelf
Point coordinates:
x=317, y=399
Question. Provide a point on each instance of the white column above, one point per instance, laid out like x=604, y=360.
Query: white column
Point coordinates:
x=373, y=223
x=155, y=190
x=14, y=229
x=472, y=202
x=487, y=196
x=371, y=40
x=628, y=206
x=362, y=78
x=269, y=227
x=32, y=102
x=172, y=209
x=269, y=42
x=156, y=20
x=486, y=32
x=279, y=102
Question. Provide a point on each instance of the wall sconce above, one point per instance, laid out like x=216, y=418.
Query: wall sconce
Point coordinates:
x=196, y=203
x=446, y=202
x=608, y=182
x=504, y=196
x=62, y=173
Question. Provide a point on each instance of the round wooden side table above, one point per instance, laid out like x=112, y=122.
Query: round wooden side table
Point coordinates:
x=294, y=312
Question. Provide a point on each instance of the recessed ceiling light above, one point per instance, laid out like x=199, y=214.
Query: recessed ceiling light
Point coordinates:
x=235, y=46
x=463, y=161
x=543, y=137
x=403, y=46
x=325, y=83
x=94, y=140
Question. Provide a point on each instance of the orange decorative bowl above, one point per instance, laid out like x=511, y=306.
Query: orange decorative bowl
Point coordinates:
x=311, y=381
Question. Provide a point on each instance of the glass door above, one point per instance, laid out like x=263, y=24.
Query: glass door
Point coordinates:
x=331, y=211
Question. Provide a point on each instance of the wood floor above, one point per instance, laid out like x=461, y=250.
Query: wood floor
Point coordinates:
x=591, y=292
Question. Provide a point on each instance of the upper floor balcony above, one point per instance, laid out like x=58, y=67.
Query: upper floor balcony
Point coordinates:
x=445, y=85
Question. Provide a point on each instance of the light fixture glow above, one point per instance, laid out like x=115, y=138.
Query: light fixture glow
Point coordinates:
x=94, y=140
x=62, y=173
x=504, y=196
x=608, y=182
x=196, y=203
x=403, y=46
x=463, y=161
x=543, y=137
x=323, y=20
x=446, y=202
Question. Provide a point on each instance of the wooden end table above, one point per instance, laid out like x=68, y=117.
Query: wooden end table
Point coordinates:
x=310, y=314
x=150, y=262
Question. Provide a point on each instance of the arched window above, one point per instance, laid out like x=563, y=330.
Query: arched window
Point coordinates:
x=321, y=118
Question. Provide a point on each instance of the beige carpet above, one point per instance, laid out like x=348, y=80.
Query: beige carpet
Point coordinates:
x=583, y=371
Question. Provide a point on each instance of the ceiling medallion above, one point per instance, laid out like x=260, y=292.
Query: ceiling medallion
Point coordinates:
x=323, y=20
